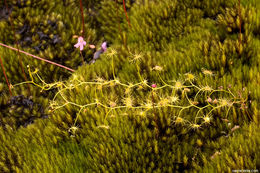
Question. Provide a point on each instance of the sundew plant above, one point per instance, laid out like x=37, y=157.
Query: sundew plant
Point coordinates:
x=129, y=86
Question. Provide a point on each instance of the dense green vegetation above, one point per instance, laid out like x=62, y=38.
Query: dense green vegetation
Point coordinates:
x=176, y=91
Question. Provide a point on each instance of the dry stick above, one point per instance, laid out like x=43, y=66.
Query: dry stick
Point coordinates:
x=16, y=42
x=6, y=77
x=126, y=14
x=36, y=57
x=82, y=16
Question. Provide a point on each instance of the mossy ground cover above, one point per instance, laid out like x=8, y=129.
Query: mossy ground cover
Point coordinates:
x=176, y=91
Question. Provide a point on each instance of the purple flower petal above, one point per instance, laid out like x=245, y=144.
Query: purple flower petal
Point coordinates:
x=81, y=47
x=80, y=39
x=154, y=85
x=104, y=46
x=81, y=43
x=77, y=45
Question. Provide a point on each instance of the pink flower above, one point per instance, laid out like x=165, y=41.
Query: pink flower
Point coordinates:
x=104, y=46
x=81, y=43
x=154, y=85
x=209, y=100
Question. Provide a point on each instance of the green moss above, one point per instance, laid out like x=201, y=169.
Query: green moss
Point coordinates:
x=48, y=28
x=100, y=121
x=242, y=152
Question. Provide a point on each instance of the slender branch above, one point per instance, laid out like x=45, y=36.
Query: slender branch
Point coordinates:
x=36, y=57
x=82, y=15
x=16, y=42
x=126, y=14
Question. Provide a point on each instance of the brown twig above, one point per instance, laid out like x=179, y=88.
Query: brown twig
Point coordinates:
x=82, y=16
x=16, y=42
x=36, y=57
x=126, y=14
